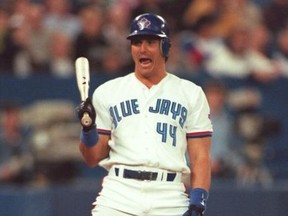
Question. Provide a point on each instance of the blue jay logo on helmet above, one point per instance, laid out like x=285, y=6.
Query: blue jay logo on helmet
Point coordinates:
x=143, y=23
x=154, y=25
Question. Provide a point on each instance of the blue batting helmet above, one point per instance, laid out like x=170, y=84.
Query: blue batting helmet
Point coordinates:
x=151, y=24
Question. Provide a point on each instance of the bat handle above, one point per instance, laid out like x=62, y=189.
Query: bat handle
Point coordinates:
x=86, y=120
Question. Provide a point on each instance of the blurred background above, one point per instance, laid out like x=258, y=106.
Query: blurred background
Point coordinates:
x=236, y=50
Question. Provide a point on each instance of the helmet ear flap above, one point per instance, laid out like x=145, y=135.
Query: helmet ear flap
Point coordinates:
x=165, y=47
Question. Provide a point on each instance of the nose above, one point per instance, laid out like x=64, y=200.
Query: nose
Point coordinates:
x=143, y=46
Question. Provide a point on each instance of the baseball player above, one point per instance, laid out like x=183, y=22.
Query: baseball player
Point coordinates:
x=146, y=122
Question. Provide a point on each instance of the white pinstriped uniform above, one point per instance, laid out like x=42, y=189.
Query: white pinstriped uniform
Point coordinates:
x=148, y=129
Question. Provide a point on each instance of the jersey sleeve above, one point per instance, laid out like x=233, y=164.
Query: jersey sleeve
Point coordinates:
x=103, y=120
x=198, y=122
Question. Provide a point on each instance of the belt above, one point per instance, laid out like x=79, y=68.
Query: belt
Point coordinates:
x=145, y=175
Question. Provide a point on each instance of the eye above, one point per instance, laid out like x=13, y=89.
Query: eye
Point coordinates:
x=152, y=41
x=136, y=42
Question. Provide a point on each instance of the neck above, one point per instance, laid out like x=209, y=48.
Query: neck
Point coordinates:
x=149, y=81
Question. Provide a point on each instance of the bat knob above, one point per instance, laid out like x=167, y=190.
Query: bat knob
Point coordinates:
x=86, y=120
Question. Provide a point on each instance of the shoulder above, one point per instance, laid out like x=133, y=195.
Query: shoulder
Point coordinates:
x=185, y=89
x=183, y=84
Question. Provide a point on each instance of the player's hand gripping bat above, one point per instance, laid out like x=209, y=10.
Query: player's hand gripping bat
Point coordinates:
x=83, y=80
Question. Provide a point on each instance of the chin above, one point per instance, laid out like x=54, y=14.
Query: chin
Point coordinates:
x=146, y=72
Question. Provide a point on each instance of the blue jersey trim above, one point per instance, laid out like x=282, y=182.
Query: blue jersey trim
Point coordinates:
x=199, y=134
x=104, y=132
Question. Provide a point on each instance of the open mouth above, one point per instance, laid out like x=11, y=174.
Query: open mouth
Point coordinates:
x=145, y=61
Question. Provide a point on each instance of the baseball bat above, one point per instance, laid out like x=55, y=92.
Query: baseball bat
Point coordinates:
x=83, y=80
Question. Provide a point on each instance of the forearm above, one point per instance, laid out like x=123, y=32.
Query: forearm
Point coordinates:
x=94, y=147
x=93, y=155
x=200, y=183
x=201, y=173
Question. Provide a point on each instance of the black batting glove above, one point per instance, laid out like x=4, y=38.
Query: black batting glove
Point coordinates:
x=86, y=107
x=194, y=211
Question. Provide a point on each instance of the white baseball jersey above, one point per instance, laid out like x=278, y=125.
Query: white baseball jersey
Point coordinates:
x=150, y=127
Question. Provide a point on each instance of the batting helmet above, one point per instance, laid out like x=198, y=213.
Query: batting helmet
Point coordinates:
x=151, y=24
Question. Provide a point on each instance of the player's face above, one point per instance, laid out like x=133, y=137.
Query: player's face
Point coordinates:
x=147, y=57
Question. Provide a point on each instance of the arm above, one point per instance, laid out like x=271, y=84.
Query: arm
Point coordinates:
x=94, y=147
x=200, y=164
x=198, y=149
x=92, y=155
x=199, y=154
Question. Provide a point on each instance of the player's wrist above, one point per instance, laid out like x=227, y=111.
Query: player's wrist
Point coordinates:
x=88, y=128
x=198, y=200
x=89, y=138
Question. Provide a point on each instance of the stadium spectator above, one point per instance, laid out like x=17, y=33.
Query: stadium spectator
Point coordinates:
x=26, y=41
x=61, y=62
x=14, y=57
x=280, y=54
x=253, y=128
x=59, y=17
x=115, y=30
x=91, y=42
x=4, y=29
x=39, y=39
x=226, y=157
x=231, y=59
x=16, y=160
x=18, y=8
x=275, y=15
x=262, y=67
x=228, y=14
x=113, y=63
x=197, y=43
x=146, y=6
x=245, y=54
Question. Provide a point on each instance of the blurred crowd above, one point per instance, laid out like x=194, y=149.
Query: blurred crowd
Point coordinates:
x=220, y=38
x=236, y=38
